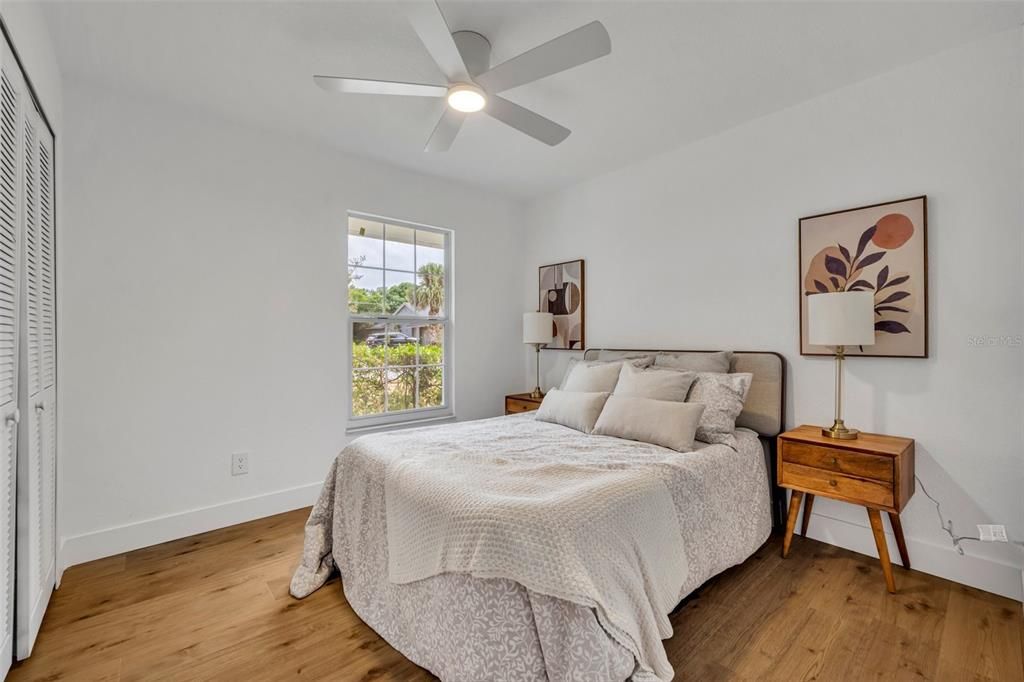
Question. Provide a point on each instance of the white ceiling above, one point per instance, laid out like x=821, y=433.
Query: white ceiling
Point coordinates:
x=678, y=71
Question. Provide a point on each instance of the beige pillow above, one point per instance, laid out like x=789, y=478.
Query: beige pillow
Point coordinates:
x=596, y=375
x=655, y=383
x=575, y=409
x=719, y=362
x=667, y=423
x=723, y=396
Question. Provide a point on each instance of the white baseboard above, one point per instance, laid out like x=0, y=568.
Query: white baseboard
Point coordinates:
x=981, y=572
x=79, y=549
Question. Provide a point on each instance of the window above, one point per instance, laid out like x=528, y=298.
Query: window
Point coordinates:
x=399, y=295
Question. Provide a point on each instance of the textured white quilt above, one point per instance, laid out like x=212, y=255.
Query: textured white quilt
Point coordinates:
x=591, y=523
x=466, y=628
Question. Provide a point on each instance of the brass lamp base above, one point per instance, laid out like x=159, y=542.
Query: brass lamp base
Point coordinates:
x=536, y=393
x=840, y=432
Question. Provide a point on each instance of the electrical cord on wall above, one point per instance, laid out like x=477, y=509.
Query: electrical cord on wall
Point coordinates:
x=947, y=526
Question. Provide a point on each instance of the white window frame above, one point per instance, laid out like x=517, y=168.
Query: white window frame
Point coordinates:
x=445, y=410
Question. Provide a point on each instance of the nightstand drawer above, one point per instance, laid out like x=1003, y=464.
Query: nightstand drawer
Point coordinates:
x=515, y=405
x=836, y=485
x=860, y=464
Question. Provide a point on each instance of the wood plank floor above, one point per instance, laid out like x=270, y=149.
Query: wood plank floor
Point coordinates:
x=216, y=607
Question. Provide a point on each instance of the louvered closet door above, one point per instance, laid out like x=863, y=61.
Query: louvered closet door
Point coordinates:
x=11, y=89
x=36, y=494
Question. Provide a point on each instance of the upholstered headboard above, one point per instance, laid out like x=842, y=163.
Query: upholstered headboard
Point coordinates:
x=763, y=411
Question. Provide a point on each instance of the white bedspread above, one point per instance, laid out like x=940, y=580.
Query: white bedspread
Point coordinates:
x=467, y=628
x=590, y=522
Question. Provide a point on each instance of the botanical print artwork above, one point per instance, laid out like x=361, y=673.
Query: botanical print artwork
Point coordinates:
x=882, y=249
x=561, y=293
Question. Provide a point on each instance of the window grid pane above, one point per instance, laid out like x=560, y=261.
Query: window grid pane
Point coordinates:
x=401, y=389
x=400, y=293
x=430, y=386
x=365, y=243
x=368, y=395
x=365, y=290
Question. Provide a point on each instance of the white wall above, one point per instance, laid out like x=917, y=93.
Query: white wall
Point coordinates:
x=204, y=307
x=697, y=249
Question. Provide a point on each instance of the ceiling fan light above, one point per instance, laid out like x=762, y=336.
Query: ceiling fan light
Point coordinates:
x=466, y=98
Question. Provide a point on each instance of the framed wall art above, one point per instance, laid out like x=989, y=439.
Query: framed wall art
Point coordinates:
x=882, y=248
x=562, y=294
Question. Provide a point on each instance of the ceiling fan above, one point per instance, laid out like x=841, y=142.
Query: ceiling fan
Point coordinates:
x=473, y=85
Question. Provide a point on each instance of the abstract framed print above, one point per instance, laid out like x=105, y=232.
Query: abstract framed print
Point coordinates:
x=562, y=294
x=882, y=248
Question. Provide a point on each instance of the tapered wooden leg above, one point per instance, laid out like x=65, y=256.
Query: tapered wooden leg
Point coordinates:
x=897, y=530
x=794, y=511
x=808, y=503
x=883, y=548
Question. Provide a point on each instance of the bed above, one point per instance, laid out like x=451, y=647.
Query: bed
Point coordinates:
x=464, y=618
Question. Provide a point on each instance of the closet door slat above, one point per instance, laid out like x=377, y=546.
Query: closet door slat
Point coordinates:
x=8, y=232
x=31, y=185
x=47, y=321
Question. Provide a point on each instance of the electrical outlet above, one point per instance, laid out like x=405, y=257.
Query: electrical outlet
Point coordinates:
x=992, y=532
x=239, y=463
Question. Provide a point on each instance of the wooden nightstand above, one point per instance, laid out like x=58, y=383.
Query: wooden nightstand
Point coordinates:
x=521, y=402
x=874, y=471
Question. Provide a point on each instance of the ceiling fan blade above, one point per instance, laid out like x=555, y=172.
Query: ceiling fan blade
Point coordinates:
x=369, y=86
x=526, y=121
x=445, y=130
x=430, y=26
x=564, y=52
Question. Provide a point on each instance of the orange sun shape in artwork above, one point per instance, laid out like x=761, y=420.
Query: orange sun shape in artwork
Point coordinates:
x=892, y=231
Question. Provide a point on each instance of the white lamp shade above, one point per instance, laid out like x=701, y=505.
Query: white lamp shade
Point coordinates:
x=843, y=318
x=537, y=327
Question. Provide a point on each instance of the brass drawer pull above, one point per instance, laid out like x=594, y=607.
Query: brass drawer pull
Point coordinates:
x=832, y=482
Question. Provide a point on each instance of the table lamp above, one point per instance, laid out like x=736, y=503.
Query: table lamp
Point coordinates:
x=538, y=330
x=840, y=319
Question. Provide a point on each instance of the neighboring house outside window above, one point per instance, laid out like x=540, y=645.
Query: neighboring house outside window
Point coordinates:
x=399, y=297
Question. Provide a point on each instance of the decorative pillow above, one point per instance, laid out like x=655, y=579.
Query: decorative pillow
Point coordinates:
x=719, y=362
x=656, y=383
x=667, y=423
x=596, y=375
x=722, y=396
x=575, y=409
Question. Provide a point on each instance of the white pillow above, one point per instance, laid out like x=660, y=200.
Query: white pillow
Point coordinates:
x=593, y=375
x=574, y=363
x=575, y=409
x=723, y=396
x=667, y=423
x=655, y=383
